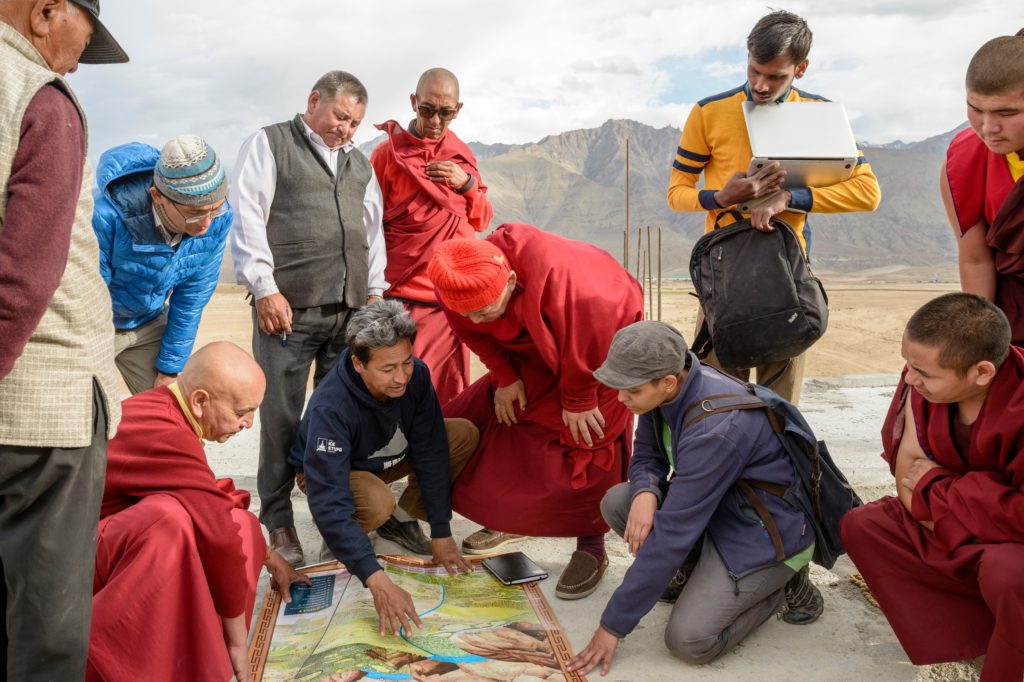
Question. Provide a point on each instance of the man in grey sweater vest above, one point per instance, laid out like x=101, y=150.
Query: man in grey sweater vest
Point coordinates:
x=307, y=243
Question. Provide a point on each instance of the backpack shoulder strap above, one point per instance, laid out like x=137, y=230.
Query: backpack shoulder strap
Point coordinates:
x=715, y=404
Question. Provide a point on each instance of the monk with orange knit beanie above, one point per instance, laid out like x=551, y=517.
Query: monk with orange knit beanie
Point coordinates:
x=539, y=311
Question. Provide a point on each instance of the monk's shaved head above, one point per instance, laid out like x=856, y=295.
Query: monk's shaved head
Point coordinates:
x=439, y=76
x=966, y=328
x=223, y=386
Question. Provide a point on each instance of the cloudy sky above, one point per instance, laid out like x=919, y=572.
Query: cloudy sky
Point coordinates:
x=528, y=68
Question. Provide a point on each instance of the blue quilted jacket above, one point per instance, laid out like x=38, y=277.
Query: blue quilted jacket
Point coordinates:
x=144, y=274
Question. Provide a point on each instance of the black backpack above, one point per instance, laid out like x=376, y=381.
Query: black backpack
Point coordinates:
x=761, y=302
x=820, y=490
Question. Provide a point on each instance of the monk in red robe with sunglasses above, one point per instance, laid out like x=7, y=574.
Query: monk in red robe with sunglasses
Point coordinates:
x=432, y=193
x=944, y=556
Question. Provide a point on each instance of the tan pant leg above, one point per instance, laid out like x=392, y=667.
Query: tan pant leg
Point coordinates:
x=463, y=438
x=374, y=499
x=136, y=351
x=790, y=382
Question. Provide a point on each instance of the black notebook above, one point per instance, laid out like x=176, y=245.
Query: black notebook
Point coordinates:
x=514, y=568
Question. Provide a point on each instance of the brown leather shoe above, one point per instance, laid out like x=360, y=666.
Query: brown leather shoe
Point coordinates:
x=285, y=542
x=581, y=576
x=487, y=541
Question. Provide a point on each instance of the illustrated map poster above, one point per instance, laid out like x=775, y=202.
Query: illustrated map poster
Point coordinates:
x=474, y=628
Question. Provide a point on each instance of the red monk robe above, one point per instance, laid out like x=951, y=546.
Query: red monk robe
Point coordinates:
x=983, y=190
x=530, y=478
x=419, y=214
x=176, y=551
x=957, y=592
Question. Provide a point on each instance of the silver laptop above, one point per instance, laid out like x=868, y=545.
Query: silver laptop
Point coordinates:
x=812, y=140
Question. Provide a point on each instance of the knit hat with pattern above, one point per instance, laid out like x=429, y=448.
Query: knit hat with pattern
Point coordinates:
x=469, y=274
x=189, y=172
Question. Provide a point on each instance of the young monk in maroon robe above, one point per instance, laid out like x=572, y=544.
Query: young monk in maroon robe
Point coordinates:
x=982, y=183
x=177, y=553
x=540, y=311
x=944, y=558
x=432, y=193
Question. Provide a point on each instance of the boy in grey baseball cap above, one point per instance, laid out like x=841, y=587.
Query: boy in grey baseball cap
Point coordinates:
x=682, y=515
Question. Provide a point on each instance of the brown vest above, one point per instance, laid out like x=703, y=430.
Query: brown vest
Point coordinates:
x=46, y=400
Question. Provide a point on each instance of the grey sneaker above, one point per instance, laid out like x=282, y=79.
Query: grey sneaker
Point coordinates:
x=804, y=602
x=407, y=534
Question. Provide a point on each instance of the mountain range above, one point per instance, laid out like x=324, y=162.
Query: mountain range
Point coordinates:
x=574, y=184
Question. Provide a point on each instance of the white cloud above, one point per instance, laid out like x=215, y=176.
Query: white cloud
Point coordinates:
x=528, y=69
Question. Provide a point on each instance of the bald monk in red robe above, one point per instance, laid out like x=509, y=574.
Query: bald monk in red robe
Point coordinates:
x=177, y=554
x=944, y=558
x=540, y=311
x=432, y=193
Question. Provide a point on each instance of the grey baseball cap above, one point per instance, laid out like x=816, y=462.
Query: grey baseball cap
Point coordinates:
x=642, y=352
x=102, y=48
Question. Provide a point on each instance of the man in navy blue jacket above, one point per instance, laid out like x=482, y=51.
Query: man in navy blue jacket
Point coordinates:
x=161, y=219
x=372, y=420
x=681, y=507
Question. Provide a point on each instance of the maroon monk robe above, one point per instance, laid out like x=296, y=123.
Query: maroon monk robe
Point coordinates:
x=983, y=189
x=420, y=214
x=176, y=551
x=957, y=592
x=530, y=478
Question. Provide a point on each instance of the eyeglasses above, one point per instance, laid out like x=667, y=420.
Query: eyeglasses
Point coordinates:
x=196, y=219
x=428, y=112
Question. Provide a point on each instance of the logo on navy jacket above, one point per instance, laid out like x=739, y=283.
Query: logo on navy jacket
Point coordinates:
x=394, y=451
x=326, y=445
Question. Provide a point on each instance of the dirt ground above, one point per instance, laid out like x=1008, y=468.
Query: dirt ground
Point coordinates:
x=865, y=322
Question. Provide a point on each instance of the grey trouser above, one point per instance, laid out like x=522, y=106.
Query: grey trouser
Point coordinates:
x=318, y=335
x=49, y=510
x=714, y=613
x=135, y=352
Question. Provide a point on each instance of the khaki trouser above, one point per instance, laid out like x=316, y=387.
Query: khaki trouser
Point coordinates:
x=790, y=373
x=374, y=500
x=135, y=352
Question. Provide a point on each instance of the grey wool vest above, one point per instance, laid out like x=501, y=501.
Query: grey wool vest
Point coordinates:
x=315, y=228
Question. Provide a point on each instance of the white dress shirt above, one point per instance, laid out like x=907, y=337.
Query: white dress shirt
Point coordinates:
x=252, y=193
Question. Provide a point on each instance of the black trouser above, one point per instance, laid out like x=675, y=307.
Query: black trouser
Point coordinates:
x=49, y=510
x=318, y=334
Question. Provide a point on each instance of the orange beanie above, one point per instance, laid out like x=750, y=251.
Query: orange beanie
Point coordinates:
x=469, y=274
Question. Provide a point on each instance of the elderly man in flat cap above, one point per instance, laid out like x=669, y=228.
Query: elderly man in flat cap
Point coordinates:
x=58, y=386
x=162, y=220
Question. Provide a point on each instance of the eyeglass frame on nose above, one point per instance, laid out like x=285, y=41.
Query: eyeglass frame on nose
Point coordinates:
x=209, y=215
x=443, y=114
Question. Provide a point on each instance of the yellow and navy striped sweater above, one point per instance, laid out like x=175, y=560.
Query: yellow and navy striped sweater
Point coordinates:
x=714, y=142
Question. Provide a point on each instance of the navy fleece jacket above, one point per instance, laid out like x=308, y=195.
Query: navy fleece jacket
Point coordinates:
x=345, y=429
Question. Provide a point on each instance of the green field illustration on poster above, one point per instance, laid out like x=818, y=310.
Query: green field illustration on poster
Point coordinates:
x=473, y=628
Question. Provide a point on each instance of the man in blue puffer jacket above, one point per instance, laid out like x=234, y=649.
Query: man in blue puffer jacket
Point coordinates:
x=162, y=220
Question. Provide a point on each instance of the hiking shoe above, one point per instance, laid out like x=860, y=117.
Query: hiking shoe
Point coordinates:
x=804, y=602
x=675, y=588
x=285, y=542
x=581, y=576
x=408, y=534
x=486, y=541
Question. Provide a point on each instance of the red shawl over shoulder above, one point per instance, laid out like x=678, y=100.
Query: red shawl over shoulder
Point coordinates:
x=419, y=213
x=981, y=498
x=156, y=452
x=983, y=190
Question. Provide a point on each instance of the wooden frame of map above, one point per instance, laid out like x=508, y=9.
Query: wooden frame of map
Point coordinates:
x=472, y=625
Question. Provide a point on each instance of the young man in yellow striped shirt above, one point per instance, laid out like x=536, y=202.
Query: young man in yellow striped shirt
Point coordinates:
x=715, y=143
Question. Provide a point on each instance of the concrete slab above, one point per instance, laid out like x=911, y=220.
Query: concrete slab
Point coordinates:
x=850, y=642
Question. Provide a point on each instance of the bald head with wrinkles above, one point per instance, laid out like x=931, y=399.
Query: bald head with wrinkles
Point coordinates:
x=222, y=386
